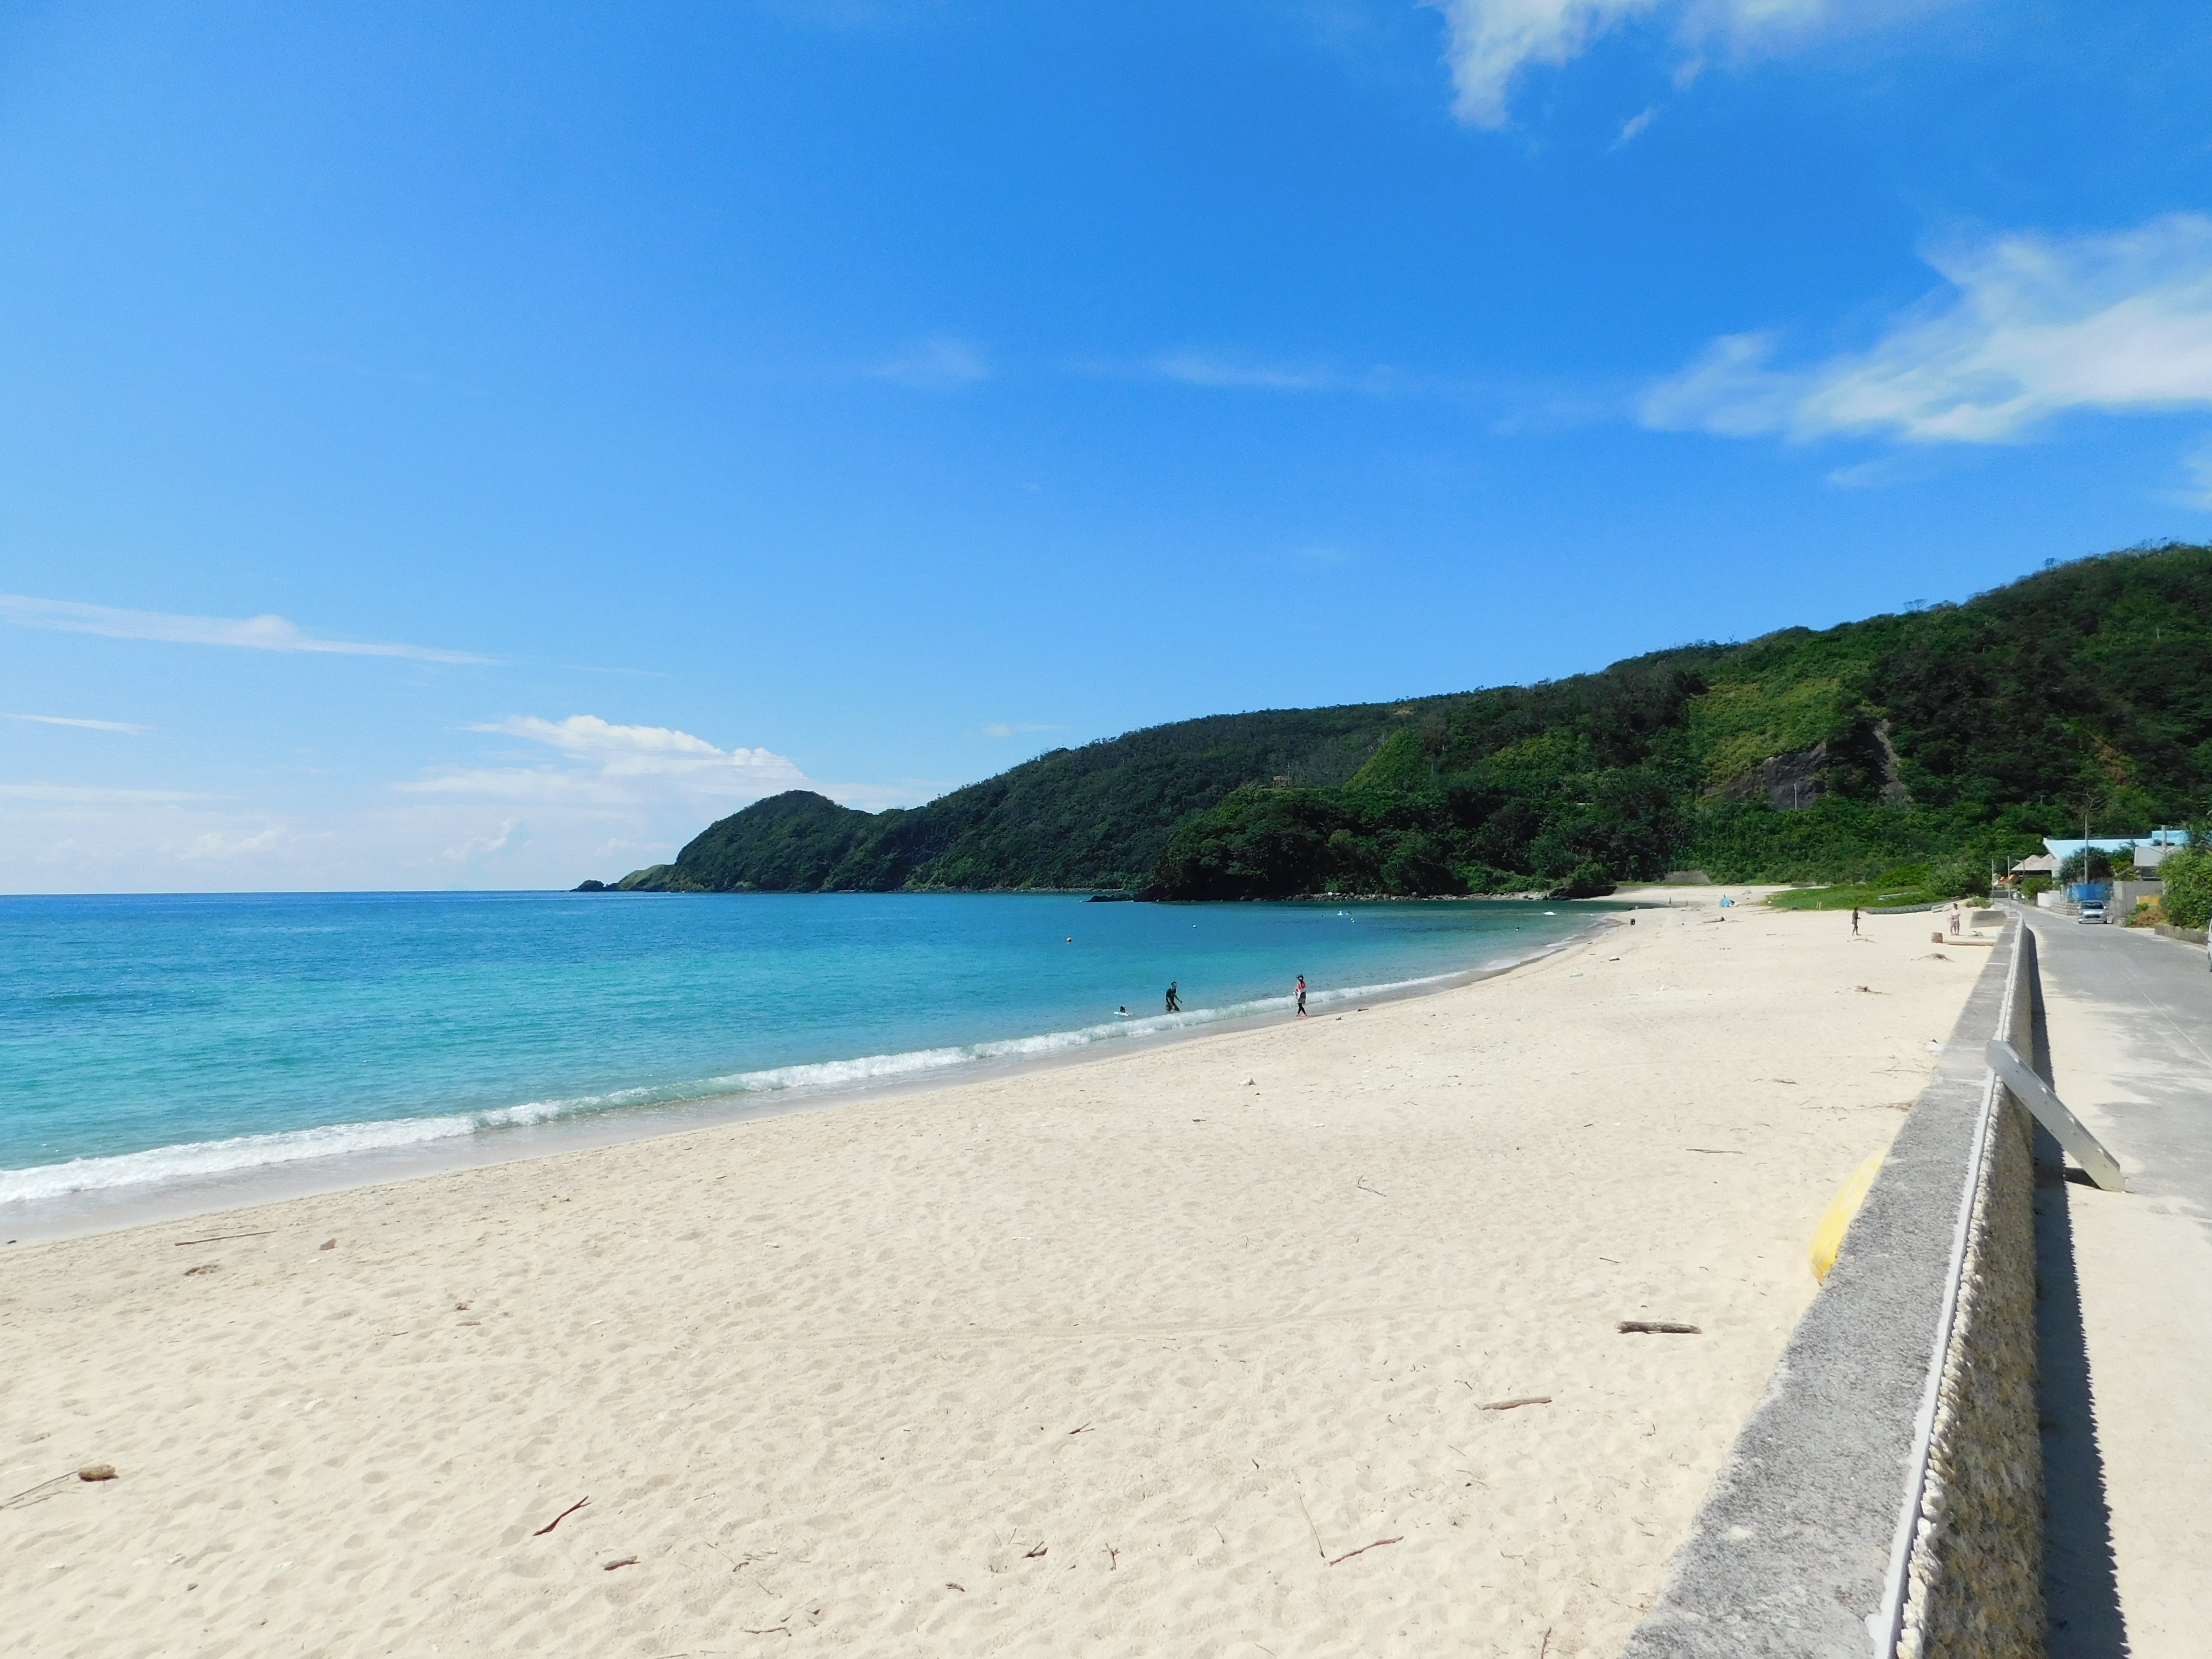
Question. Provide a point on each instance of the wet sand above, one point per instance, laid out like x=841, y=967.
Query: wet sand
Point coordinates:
x=1203, y=1349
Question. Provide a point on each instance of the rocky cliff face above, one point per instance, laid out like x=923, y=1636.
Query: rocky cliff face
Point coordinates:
x=1795, y=780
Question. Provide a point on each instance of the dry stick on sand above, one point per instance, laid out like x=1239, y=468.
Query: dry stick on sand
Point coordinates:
x=559, y=1518
x=221, y=1238
x=1509, y=1405
x=38, y=1494
x=1311, y=1528
x=1364, y=1548
x=1658, y=1328
x=1035, y=1553
x=627, y=1561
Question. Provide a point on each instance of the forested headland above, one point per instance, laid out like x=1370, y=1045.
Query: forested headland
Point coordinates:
x=1933, y=742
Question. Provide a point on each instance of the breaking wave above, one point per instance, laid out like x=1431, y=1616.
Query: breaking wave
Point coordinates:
x=204, y=1159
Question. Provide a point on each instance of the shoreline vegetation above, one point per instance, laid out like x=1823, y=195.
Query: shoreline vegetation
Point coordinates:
x=1949, y=739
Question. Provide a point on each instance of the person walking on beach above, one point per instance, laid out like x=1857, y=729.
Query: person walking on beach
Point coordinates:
x=1175, y=1002
x=1854, y=921
x=1954, y=922
x=1302, y=996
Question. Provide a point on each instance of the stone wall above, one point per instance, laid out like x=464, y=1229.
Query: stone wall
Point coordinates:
x=1975, y=1577
x=1885, y=1497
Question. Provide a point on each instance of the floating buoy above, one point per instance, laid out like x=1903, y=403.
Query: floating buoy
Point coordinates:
x=1835, y=1220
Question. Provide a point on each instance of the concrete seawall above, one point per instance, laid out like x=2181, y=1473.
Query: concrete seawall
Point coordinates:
x=1886, y=1495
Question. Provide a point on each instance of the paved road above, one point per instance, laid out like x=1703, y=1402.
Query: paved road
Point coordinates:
x=2126, y=1299
x=2148, y=1082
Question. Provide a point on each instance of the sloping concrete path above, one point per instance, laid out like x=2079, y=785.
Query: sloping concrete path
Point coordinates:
x=2127, y=1297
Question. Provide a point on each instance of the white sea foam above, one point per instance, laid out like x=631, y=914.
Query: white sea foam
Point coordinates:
x=202, y=1159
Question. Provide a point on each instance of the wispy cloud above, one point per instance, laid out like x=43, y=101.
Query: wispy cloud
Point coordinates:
x=940, y=363
x=252, y=633
x=511, y=823
x=669, y=775
x=92, y=794
x=2028, y=327
x=214, y=845
x=477, y=847
x=2200, y=472
x=646, y=751
x=1489, y=42
x=613, y=764
x=89, y=725
x=1240, y=373
x=1200, y=368
x=1635, y=124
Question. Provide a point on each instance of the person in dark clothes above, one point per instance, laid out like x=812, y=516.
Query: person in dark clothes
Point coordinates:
x=1854, y=921
x=1302, y=996
x=1175, y=1002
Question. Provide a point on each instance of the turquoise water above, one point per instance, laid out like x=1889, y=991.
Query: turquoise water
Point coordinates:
x=151, y=1039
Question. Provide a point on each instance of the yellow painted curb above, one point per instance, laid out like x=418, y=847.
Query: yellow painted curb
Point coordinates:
x=1828, y=1236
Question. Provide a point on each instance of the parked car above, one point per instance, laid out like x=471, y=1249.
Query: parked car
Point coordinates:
x=2092, y=910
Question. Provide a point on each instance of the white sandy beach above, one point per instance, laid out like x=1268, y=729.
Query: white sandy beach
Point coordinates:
x=1185, y=1351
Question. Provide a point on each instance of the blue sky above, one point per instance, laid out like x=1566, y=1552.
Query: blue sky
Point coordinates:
x=477, y=444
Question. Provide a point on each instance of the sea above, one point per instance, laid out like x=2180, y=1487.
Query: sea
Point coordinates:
x=223, y=1048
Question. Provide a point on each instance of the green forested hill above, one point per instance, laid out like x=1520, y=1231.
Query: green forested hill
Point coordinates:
x=1094, y=817
x=1962, y=732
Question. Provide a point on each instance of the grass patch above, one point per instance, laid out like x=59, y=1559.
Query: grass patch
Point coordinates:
x=1868, y=898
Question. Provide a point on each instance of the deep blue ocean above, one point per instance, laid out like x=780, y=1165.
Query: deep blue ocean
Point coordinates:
x=151, y=1039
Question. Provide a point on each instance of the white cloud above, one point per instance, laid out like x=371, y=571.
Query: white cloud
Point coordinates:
x=89, y=725
x=2029, y=327
x=569, y=799
x=253, y=633
x=483, y=847
x=213, y=845
x=1489, y=42
x=1635, y=124
x=940, y=363
x=2200, y=473
x=620, y=752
